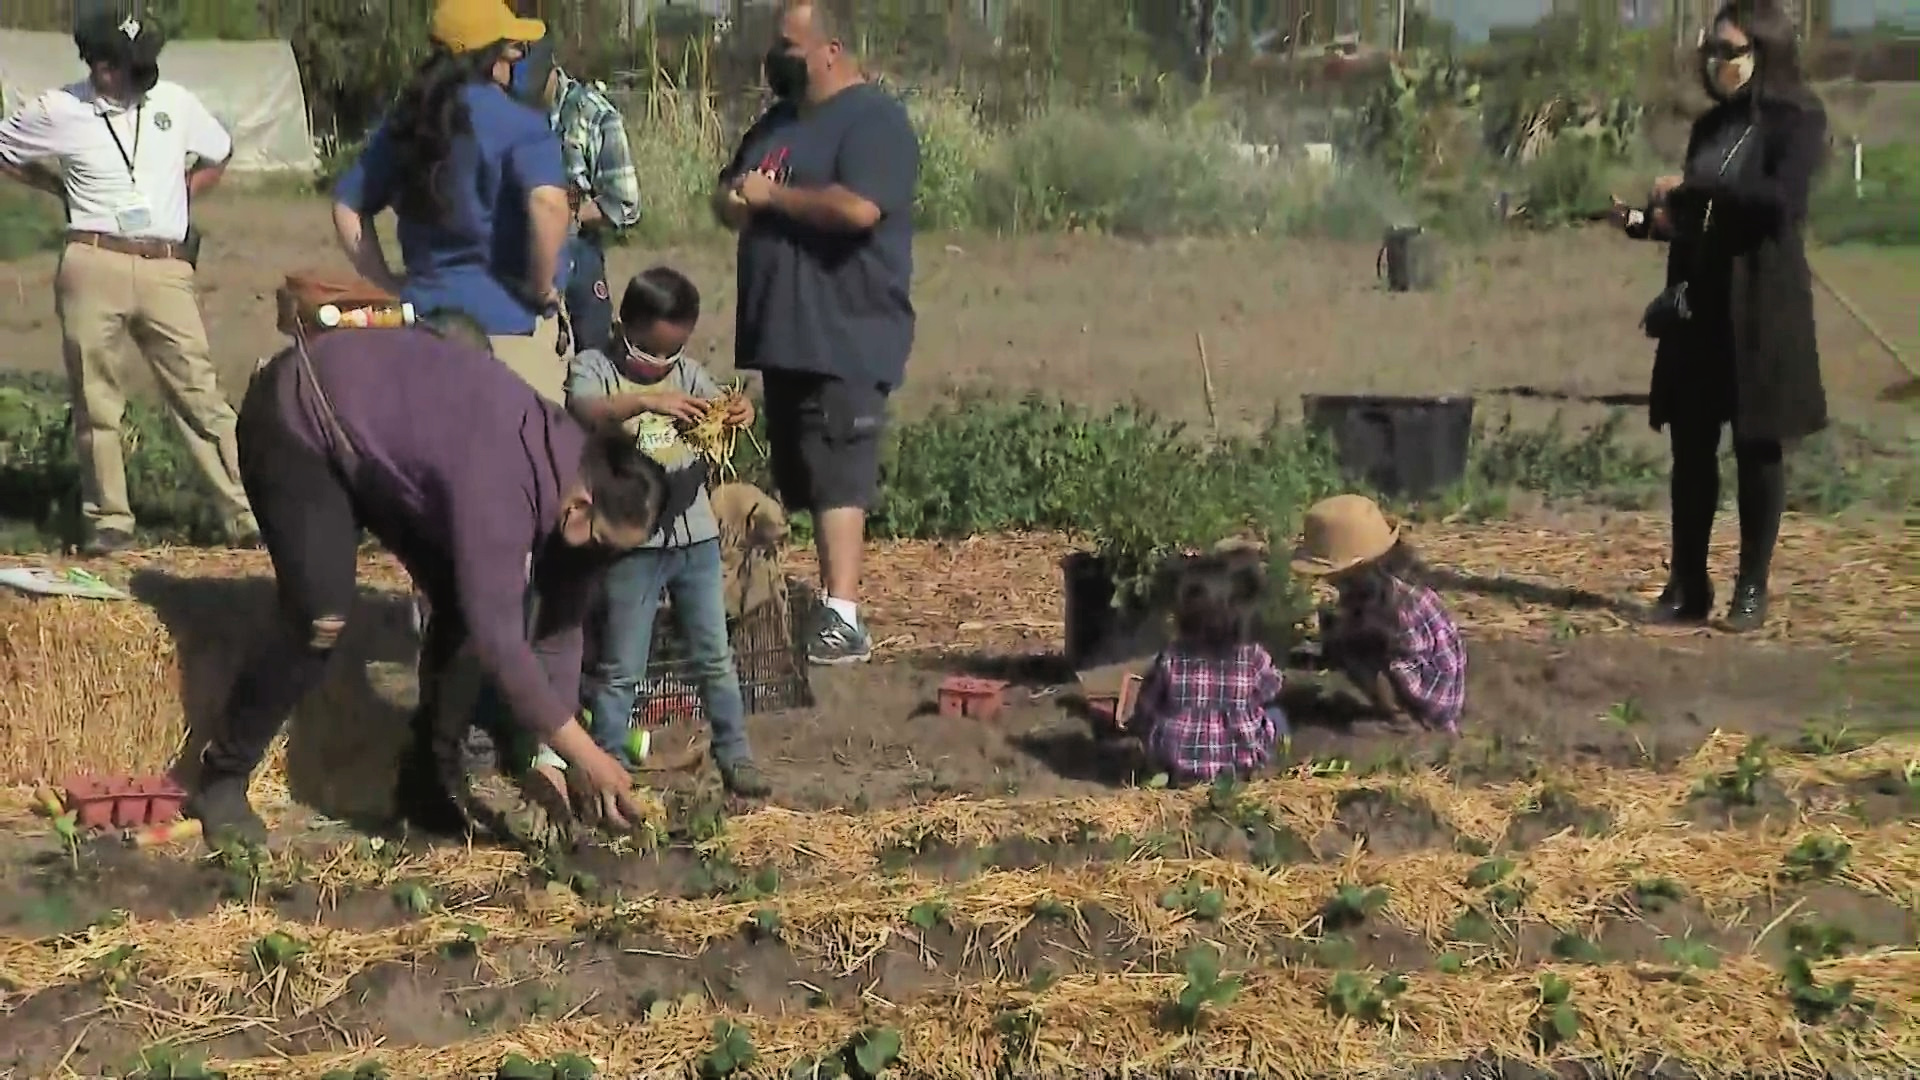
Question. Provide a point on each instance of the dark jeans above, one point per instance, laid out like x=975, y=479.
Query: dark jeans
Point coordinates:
x=588, y=298
x=691, y=577
x=1760, y=469
x=312, y=533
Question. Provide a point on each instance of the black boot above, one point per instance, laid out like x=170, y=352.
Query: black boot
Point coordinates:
x=1686, y=601
x=219, y=802
x=1763, y=498
x=1748, y=612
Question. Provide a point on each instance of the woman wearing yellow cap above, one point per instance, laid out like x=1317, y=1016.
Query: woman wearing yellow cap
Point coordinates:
x=475, y=178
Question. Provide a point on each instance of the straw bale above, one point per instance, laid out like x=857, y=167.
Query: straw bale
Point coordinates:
x=125, y=687
x=1734, y=1021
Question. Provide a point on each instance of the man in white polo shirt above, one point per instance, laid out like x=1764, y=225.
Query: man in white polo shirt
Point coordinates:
x=131, y=152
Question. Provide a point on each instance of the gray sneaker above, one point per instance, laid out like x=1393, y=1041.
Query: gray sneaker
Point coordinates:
x=835, y=643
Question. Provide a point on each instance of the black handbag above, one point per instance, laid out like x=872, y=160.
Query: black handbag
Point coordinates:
x=1670, y=312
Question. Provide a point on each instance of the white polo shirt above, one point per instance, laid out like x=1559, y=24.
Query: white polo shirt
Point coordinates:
x=74, y=130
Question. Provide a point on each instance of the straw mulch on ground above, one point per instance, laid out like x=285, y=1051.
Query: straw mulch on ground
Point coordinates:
x=1735, y=1021
x=93, y=685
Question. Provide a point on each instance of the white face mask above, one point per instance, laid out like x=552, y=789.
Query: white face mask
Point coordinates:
x=647, y=359
x=1741, y=68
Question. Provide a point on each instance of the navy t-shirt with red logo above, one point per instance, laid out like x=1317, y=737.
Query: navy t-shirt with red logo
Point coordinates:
x=812, y=300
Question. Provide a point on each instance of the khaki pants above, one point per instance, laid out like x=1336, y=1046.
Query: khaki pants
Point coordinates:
x=535, y=358
x=106, y=302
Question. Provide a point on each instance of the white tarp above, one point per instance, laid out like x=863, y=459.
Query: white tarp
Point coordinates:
x=252, y=87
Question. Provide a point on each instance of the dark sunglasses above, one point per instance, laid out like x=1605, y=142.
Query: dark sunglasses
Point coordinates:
x=1716, y=49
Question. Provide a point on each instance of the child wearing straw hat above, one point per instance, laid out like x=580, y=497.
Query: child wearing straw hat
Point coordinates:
x=1387, y=631
x=1207, y=708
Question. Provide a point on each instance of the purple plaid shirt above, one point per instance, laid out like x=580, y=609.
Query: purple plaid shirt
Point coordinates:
x=1202, y=716
x=1430, y=663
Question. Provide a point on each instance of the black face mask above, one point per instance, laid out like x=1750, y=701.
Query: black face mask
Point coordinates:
x=786, y=74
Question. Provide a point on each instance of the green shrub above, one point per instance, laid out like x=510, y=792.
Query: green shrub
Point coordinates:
x=1885, y=209
x=30, y=221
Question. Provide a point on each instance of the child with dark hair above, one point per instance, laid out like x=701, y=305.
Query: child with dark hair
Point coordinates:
x=648, y=388
x=1208, y=707
x=1387, y=631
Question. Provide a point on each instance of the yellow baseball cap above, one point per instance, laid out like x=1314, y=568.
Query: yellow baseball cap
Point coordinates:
x=466, y=25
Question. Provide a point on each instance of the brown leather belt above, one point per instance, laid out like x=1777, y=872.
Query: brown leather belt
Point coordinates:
x=143, y=249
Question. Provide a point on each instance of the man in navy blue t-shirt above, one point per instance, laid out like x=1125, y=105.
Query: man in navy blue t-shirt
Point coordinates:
x=821, y=191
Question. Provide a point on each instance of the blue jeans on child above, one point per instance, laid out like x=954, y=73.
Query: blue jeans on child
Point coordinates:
x=691, y=578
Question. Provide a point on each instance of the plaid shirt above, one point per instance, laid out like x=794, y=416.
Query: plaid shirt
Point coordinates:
x=1202, y=717
x=1430, y=663
x=594, y=150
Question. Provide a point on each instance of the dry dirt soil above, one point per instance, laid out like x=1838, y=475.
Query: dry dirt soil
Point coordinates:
x=1104, y=321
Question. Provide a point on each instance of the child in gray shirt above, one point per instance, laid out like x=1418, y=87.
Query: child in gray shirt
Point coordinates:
x=649, y=388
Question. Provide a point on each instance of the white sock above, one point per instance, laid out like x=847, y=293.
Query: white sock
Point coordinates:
x=848, y=611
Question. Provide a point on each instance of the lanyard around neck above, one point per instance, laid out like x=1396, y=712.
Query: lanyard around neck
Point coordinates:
x=129, y=159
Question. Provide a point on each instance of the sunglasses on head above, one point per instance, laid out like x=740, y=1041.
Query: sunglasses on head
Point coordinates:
x=1718, y=49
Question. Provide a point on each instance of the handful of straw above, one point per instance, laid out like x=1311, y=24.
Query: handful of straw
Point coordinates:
x=715, y=435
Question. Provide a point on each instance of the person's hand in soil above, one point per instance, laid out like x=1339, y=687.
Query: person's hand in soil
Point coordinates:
x=601, y=789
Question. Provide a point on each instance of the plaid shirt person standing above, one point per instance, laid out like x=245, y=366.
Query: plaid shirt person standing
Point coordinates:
x=1204, y=717
x=601, y=176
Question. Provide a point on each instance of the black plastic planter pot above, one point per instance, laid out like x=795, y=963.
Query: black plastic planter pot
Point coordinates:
x=1408, y=447
x=1409, y=260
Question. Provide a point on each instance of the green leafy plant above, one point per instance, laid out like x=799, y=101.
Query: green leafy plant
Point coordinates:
x=1815, y=1002
x=563, y=1067
x=927, y=914
x=66, y=827
x=1204, y=986
x=1555, y=1020
x=1827, y=740
x=413, y=898
x=277, y=950
x=1352, y=905
x=116, y=967
x=1690, y=952
x=470, y=937
x=243, y=868
x=872, y=1052
x=1048, y=907
x=1450, y=963
x=1576, y=949
x=1195, y=899
x=1656, y=894
x=1489, y=873
x=164, y=1061
x=732, y=1051
x=1351, y=997
x=1819, y=940
x=765, y=923
x=1740, y=785
x=1816, y=857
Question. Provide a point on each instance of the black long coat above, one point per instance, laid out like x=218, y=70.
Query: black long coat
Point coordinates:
x=1748, y=355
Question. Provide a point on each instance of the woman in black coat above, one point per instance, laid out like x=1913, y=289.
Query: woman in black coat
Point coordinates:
x=1735, y=324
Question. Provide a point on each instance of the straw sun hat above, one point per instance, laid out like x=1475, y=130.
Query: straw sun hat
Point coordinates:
x=1341, y=533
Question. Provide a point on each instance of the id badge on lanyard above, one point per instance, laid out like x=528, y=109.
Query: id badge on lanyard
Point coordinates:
x=133, y=214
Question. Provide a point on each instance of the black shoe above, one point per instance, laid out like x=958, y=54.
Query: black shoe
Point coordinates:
x=220, y=805
x=1748, y=612
x=107, y=542
x=743, y=778
x=424, y=800
x=1682, y=604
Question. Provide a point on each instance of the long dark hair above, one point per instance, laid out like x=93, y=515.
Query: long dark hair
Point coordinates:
x=428, y=116
x=1370, y=599
x=1776, y=47
x=1217, y=605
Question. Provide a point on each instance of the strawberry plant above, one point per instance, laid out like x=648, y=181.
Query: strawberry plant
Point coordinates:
x=278, y=950
x=1555, y=1020
x=1826, y=740
x=927, y=914
x=562, y=1067
x=764, y=924
x=163, y=1061
x=1655, y=894
x=1819, y=940
x=471, y=937
x=1204, y=987
x=1690, y=952
x=1740, y=785
x=67, y=828
x=1489, y=873
x=1195, y=899
x=1352, y=997
x=1351, y=905
x=1816, y=857
x=413, y=898
x=1815, y=1002
x=115, y=968
x=872, y=1052
x=732, y=1052
x=1577, y=950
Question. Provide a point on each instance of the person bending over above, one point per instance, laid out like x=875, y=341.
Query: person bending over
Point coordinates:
x=481, y=489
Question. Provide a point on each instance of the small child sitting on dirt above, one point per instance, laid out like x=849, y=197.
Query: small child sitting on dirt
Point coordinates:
x=1208, y=707
x=1387, y=632
x=650, y=388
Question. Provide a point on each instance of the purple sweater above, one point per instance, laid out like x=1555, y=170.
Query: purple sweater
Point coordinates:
x=462, y=469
